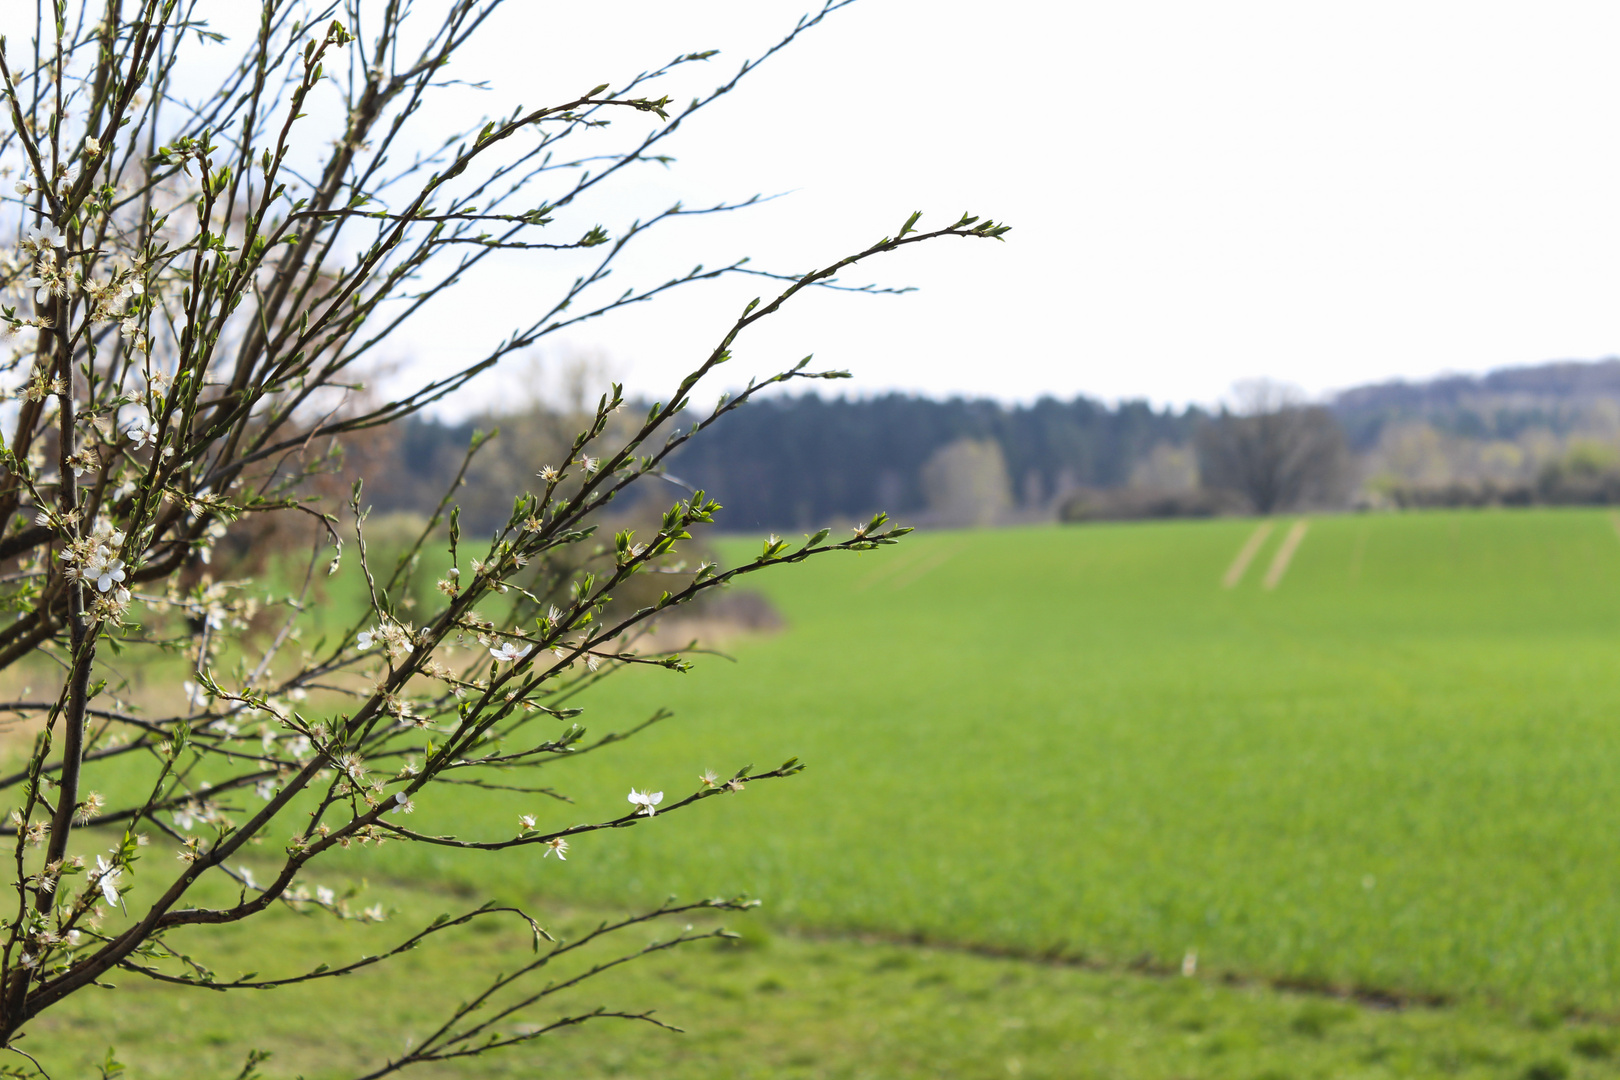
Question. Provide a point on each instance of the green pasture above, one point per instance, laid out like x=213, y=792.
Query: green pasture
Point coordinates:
x=1046, y=766
x=771, y=1006
x=1395, y=771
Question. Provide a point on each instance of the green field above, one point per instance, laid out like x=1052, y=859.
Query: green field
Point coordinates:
x=783, y=1006
x=1399, y=770
x=1395, y=773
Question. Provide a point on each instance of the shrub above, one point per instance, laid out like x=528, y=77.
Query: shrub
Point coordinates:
x=197, y=284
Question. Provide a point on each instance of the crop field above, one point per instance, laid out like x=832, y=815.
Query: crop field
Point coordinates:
x=1398, y=769
x=1386, y=763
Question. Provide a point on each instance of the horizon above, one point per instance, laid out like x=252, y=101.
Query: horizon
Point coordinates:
x=844, y=391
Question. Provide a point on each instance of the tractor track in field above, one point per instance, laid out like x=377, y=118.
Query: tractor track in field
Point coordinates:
x=1285, y=555
x=1371, y=997
x=1145, y=965
x=1251, y=547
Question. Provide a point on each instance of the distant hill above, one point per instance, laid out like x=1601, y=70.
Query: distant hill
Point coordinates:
x=1559, y=397
x=1559, y=379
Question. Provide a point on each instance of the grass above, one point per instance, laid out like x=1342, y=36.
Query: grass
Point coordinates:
x=782, y=1005
x=1395, y=771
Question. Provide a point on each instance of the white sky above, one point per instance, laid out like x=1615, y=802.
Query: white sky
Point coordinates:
x=1327, y=194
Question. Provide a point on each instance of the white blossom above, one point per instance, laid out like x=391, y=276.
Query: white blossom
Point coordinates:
x=558, y=846
x=367, y=638
x=325, y=896
x=143, y=430
x=509, y=653
x=646, y=800
x=104, y=568
x=107, y=878
x=45, y=237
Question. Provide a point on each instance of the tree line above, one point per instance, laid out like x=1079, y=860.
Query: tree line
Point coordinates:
x=798, y=461
x=1545, y=434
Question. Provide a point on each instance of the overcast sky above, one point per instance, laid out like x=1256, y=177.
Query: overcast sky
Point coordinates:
x=1326, y=194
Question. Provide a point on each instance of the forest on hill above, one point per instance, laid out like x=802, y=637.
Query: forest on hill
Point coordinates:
x=1543, y=434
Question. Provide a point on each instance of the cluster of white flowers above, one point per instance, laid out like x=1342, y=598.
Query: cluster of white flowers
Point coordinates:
x=87, y=810
x=195, y=812
x=55, y=276
x=34, y=831
x=218, y=605
x=197, y=696
x=107, y=298
x=39, y=387
x=555, y=846
x=212, y=534
x=711, y=779
x=94, y=561
x=395, y=638
x=48, y=281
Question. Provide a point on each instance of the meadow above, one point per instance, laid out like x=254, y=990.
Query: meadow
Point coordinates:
x=1392, y=775
x=1396, y=771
